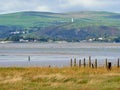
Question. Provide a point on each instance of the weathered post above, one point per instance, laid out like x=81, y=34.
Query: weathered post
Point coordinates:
x=92, y=66
x=75, y=62
x=29, y=58
x=118, y=65
x=84, y=63
x=109, y=66
x=71, y=63
x=89, y=61
x=95, y=63
x=49, y=66
x=79, y=63
x=106, y=63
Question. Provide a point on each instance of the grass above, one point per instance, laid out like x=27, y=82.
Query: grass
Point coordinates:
x=24, y=20
x=44, y=78
x=81, y=19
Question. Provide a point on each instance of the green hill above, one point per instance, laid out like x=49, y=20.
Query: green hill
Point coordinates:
x=72, y=26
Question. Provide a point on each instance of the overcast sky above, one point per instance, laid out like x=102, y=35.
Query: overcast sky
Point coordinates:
x=9, y=6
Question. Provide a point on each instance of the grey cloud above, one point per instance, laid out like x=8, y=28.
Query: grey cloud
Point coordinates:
x=7, y=6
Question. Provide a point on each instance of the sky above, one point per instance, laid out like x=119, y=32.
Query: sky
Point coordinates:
x=59, y=6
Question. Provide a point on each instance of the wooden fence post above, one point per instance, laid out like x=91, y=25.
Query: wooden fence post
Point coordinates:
x=106, y=63
x=118, y=63
x=75, y=62
x=79, y=63
x=92, y=66
x=29, y=58
x=49, y=66
x=95, y=63
x=109, y=66
x=84, y=63
x=71, y=63
x=89, y=61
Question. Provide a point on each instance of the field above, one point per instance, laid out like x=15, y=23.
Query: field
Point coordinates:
x=72, y=26
x=54, y=78
x=40, y=19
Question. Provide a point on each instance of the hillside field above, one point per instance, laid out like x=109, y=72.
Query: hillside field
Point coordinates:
x=72, y=26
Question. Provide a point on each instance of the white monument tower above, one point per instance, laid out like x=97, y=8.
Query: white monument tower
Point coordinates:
x=72, y=20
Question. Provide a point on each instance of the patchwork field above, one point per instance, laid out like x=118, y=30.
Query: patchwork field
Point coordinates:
x=74, y=26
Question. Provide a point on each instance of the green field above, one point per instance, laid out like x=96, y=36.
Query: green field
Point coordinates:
x=45, y=78
x=81, y=19
x=72, y=26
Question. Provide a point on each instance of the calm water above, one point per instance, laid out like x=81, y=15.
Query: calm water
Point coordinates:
x=55, y=54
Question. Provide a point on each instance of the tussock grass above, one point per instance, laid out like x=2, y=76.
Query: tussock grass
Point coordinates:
x=66, y=78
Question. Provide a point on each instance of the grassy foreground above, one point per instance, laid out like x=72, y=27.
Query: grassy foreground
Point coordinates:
x=44, y=78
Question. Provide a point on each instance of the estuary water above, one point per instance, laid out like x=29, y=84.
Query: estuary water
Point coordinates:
x=55, y=54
